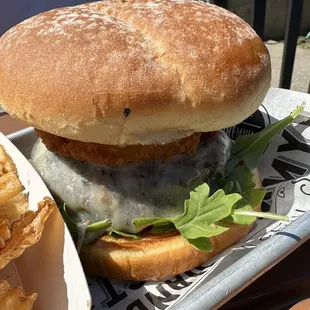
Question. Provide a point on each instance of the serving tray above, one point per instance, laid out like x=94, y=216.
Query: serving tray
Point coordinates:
x=285, y=170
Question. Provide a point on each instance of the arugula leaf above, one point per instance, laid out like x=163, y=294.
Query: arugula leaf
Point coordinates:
x=241, y=219
x=242, y=179
x=88, y=233
x=201, y=213
x=160, y=225
x=250, y=200
x=200, y=218
x=202, y=244
x=141, y=223
x=243, y=213
x=255, y=196
x=80, y=230
x=162, y=229
x=204, y=213
x=70, y=224
x=250, y=148
x=99, y=226
x=117, y=233
x=265, y=215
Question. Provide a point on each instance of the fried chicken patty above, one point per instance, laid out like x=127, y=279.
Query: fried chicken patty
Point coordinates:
x=114, y=155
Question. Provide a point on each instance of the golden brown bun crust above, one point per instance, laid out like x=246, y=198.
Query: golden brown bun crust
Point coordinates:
x=154, y=257
x=177, y=67
x=302, y=305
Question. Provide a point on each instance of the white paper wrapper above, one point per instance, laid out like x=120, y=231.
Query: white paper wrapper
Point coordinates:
x=284, y=170
x=51, y=267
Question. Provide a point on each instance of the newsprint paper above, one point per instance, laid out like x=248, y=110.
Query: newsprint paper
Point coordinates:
x=284, y=170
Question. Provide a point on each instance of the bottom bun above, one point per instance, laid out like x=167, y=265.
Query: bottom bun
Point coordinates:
x=155, y=256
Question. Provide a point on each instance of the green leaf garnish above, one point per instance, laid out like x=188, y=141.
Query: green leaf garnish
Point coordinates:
x=70, y=224
x=141, y=223
x=240, y=180
x=99, y=226
x=241, y=177
x=252, y=198
x=202, y=244
x=201, y=213
x=82, y=231
x=265, y=215
x=255, y=196
x=241, y=219
x=117, y=233
x=200, y=219
x=251, y=147
x=162, y=229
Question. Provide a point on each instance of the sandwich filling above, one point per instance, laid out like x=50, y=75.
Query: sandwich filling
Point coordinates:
x=192, y=193
x=136, y=190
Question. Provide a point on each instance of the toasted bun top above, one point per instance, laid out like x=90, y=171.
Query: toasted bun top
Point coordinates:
x=131, y=72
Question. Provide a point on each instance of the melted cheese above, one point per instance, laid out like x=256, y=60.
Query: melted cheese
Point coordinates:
x=146, y=189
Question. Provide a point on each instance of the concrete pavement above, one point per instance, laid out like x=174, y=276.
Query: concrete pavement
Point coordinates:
x=301, y=73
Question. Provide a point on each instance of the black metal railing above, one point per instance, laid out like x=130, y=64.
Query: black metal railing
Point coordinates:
x=258, y=16
x=290, y=42
x=291, y=33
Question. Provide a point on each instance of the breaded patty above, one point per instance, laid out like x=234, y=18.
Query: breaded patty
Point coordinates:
x=114, y=155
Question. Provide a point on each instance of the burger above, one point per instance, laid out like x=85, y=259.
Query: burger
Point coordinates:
x=129, y=100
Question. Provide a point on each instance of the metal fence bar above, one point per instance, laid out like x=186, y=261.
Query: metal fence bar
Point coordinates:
x=258, y=16
x=290, y=41
x=222, y=3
